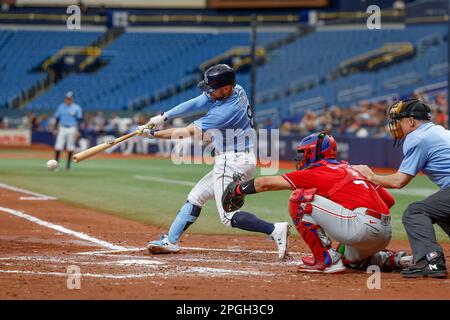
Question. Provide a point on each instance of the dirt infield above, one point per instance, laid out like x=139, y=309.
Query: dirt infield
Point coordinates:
x=41, y=238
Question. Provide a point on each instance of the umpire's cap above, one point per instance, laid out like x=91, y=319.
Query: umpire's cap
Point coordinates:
x=410, y=108
x=216, y=77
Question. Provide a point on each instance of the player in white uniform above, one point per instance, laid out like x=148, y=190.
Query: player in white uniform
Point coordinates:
x=229, y=123
x=68, y=116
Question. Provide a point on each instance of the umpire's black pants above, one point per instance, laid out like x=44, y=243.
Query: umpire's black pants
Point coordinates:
x=418, y=220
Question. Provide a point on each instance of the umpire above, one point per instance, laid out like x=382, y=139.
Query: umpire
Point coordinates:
x=68, y=117
x=426, y=148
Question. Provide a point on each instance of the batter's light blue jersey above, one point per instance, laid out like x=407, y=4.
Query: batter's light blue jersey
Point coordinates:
x=427, y=149
x=229, y=122
x=69, y=115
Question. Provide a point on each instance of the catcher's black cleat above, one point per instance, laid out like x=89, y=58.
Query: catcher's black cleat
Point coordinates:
x=432, y=265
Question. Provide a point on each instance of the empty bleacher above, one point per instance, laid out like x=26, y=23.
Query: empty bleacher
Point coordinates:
x=22, y=51
x=141, y=64
x=295, y=76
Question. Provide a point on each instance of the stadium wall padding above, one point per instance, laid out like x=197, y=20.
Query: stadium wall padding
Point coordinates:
x=376, y=152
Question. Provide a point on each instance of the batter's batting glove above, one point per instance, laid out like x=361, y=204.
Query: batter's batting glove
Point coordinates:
x=148, y=133
x=156, y=120
x=233, y=198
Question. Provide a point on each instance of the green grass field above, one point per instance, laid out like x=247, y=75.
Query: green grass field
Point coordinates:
x=111, y=185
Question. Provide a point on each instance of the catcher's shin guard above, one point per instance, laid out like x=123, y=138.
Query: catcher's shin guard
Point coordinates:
x=186, y=216
x=313, y=235
x=386, y=259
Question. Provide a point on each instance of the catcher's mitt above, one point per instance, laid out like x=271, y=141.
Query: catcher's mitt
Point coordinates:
x=231, y=200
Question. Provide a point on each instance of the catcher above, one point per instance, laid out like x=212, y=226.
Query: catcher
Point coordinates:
x=330, y=200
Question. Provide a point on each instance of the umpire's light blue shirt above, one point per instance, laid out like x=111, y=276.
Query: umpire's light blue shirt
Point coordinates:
x=427, y=149
x=69, y=115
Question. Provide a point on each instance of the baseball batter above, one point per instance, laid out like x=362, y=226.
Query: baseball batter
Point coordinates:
x=331, y=200
x=229, y=113
x=68, y=117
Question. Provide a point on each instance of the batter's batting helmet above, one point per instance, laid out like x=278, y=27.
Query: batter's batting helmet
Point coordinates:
x=315, y=147
x=216, y=77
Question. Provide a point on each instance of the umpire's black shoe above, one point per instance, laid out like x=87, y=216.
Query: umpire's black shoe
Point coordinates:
x=432, y=265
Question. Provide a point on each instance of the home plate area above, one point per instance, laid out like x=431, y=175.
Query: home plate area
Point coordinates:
x=52, y=250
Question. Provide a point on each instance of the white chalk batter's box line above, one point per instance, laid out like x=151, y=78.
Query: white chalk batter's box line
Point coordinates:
x=179, y=271
x=116, y=249
x=104, y=244
x=127, y=260
x=35, y=195
x=164, y=270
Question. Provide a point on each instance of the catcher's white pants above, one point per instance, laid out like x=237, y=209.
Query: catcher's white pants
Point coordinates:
x=362, y=234
x=213, y=184
x=66, y=137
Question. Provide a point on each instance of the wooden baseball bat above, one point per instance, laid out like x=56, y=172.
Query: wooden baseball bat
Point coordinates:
x=102, y=147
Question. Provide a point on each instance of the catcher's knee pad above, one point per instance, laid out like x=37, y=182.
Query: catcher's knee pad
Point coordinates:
x=300, y=203
x=312, y=234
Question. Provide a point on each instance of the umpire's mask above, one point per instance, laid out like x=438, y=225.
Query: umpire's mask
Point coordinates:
x=405, y=109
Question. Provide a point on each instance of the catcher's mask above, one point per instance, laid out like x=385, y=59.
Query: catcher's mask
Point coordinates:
x=315, y=147
x=406, y=109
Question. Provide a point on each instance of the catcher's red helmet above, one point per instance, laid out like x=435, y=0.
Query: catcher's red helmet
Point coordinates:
x=315, y=147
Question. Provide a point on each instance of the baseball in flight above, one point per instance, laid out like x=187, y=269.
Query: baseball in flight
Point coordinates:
x=52, y=164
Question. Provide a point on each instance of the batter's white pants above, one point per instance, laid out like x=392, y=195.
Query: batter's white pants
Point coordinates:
x=362, y=235
x=66, y=137
x=213, y=184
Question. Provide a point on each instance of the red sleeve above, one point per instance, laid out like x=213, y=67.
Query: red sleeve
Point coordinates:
x=386, y=197
x=289, y=180
x=299, y=179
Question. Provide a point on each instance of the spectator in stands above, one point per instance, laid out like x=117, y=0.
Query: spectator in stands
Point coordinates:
x=286, y=128
x=33, y=123
x=3, y=123
x=83, y=7
x=99, y=122
x=324, y=121
x=441, y=102
x=43, y=123
x=399, y=5
x=112, y=125
x=308, y=123
x=336, y=119
x=440, y=118
x=7, y=4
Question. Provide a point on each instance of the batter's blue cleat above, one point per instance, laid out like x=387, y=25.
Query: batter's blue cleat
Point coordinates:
x=162, y=246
